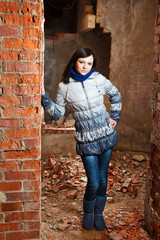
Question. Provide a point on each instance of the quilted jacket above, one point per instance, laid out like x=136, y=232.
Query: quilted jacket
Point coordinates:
x=94, y=134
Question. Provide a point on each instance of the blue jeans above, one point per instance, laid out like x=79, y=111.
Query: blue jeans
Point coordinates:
x=96, y=167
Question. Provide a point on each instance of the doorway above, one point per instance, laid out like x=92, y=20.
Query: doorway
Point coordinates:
x=63, y=37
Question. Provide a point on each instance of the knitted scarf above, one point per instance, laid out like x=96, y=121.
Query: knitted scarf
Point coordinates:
x=80, y=77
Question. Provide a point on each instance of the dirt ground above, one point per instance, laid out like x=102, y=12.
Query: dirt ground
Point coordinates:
x=63, y=186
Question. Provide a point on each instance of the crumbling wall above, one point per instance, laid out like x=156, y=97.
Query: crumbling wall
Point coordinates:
x=152, y=200
x=21, y=34
x=131, y=26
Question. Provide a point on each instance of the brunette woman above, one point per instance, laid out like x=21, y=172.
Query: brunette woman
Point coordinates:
x=82, y=90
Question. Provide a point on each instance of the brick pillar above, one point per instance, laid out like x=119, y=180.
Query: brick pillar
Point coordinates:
x=21, y=31
x=152, y=200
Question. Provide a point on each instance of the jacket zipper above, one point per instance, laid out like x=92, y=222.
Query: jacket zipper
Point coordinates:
x=89, y=106
x=88, y=103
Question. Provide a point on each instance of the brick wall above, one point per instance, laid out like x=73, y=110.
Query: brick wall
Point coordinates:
x=152, y=200
x=21, y=46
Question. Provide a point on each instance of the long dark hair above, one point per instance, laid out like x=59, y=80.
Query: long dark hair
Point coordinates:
x=79, y=53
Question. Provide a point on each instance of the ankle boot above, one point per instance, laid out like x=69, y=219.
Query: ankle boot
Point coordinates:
x=99, y=221
x=88, y=208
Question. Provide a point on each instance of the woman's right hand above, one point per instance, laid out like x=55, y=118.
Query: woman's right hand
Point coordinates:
x=42, y=88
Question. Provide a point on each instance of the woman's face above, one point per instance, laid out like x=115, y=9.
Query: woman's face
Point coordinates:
x=84, y=65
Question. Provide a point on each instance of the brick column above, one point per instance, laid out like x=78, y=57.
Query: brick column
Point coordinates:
x=152, y=200
x=21, y=31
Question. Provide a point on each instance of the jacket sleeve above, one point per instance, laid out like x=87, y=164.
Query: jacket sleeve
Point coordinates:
x=114, y=98
x=57, y=109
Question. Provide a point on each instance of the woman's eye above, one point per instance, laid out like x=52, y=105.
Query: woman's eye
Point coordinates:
x=90, y=64
x=81, y=61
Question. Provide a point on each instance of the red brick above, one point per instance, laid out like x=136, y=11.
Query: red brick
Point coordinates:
x=9, y=7
x=7, y=186
x=9, y=101
x=29, y=32
x=9, y=55
x=155, y=58
x=156, y=39
x=32, y=225
x=21, y=176
x=37, y=121
x=16, y=67
x=1, y=174
x=2, y=217
x=9, y=31
x=30, y=55
x=21, y=67
x=28, y=206
x=29, y=8
x=20, y=20
x=31, y=44
x=32, y=122
x=23, y=235
x=20, y=216
x=23, y=196
x=32, y=143
x=157, y=28
x=1, y=236
x=32, y=101
x=22, y=154
x=31, y=78
x=155, y=77
x=34, y=67
x=10, y=79
x=31, y=164
x=157, y=49
x=156, y=67
x=22, y=90
x=6, y=207
x=19, y=112
x=21, y=133
x=31, y=185
x=10, y=166
x=10, y=123
x=10, y=144
x=28, y=122
x=158, y=96
x=12, y=43
x=4, y=227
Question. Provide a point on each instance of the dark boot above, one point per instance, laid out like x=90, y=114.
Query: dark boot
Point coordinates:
x=88, y=208
x=99, y=221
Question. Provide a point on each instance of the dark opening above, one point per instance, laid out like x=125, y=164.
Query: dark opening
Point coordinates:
x=60, y=16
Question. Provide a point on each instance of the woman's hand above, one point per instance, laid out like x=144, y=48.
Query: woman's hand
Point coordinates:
x=42, y=88
x=112, y=122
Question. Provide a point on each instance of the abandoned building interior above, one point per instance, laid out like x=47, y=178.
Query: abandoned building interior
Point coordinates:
x=37, y=39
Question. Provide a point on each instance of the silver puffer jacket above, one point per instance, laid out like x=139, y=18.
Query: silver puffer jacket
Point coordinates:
x=94, y=134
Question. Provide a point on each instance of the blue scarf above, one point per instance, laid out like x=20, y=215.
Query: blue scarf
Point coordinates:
x=80, y=77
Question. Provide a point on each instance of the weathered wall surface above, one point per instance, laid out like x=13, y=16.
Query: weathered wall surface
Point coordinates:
x=58, y=140
x=152, y=200
x=59, y=50
x=21, y=31
x=131, y=26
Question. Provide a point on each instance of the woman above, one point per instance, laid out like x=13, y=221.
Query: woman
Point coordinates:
x=82, y=90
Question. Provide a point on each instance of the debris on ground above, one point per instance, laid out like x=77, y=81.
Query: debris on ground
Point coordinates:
x=63, y=186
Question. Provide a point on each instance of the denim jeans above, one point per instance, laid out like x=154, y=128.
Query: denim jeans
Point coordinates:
x=96, y=167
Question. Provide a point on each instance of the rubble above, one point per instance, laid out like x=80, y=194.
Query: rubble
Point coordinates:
x=138, y=158
x=63, y=186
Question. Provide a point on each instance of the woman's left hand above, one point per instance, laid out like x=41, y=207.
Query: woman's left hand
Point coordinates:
x=112, y=122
